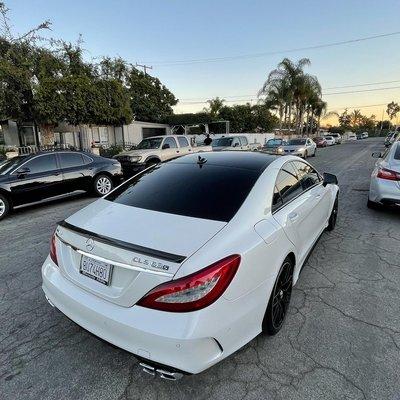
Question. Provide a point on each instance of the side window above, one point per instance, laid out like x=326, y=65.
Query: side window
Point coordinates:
x=183, y=141
x=69, y=160
x=307, y=175
x=397, y=153
x=288, y=184
x=244, y=140
x=172, y=143
x=236, y=142
x=42, y=164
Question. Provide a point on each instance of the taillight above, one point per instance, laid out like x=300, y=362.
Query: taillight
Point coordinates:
x=388, y=174
x=53, y=249
x=194, y=291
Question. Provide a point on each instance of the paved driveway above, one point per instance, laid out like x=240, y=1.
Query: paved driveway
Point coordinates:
x=341, y=339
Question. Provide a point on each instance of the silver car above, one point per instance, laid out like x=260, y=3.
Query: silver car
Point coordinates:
x=301, y=147
x=385, y=178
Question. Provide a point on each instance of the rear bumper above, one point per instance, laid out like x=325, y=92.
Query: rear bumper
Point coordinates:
x=189, y=342
x=384, y=191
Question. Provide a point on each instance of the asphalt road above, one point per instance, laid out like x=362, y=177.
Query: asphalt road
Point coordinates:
x=341, y=339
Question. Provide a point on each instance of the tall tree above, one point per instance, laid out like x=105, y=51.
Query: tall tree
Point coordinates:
x=392, y=110
x=214, y=107
x=289, y=90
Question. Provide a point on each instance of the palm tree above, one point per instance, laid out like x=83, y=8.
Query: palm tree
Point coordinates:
x=320, y=112
x=215, y=106
x=289, y=90
x=287, y=74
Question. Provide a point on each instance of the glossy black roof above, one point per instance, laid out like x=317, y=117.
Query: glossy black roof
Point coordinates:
x=236, y=159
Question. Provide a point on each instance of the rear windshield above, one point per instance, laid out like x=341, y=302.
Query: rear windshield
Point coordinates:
x=296, y=142
x=274, y=142
x=201, y=191
x=223, y=142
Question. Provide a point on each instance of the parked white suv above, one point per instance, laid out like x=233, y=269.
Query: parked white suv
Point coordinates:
x=154, y=150
x=238, y=142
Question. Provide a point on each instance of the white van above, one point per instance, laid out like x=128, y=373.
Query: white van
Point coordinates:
x=351, y=136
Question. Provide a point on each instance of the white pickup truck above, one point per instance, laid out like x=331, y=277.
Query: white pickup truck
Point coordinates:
x=154, y=150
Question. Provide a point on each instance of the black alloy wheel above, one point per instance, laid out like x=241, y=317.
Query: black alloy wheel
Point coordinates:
x=280, y=299
x=334, y=215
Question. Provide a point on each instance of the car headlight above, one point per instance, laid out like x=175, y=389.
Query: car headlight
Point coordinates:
x=135, y=158
x=279, y=150
x=301, y=149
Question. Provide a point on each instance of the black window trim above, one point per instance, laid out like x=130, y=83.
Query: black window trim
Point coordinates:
x=73, y=152
x=34, y=158
x=296, y=197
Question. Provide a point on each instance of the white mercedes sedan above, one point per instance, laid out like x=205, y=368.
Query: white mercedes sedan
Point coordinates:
x=188, y=261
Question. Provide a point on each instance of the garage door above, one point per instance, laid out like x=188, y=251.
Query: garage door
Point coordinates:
x=147, y=132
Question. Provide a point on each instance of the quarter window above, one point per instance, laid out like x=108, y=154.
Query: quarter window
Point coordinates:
x=172, y=143
x=307, y=175
x=183, y=141
x=69, y=160
x=276, y=199
x=42, y=164
x=288, y=184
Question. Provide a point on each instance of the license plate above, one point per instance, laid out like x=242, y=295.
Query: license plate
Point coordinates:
x=97, y=270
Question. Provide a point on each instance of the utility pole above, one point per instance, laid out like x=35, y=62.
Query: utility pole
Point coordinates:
x=145, y=67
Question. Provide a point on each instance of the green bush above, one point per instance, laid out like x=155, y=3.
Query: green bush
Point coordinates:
x=111, y=151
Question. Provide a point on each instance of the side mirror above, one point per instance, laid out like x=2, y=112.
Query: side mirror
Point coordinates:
x=329, y=179
x=377, y=154
x=236, y=144
x=165, y=146
x=23, y=171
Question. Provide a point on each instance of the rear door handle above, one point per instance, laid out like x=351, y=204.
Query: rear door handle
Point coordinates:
x=317, y=196
x=293, y=216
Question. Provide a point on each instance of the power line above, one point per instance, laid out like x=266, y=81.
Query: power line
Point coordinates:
x=323, y=94
x=330, y=88
x=361, y=84
x=263, y=54
x=361, y=91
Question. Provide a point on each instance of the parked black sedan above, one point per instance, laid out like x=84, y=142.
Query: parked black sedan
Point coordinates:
x=35, y=177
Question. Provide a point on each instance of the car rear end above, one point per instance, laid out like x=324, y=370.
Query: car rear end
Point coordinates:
x=385, y=180
x=136, y=277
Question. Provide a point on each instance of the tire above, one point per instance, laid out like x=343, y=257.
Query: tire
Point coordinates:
x=333, y=216
x=102, y=185
x=279, y=301
x=4, y=206
x=373, y=205
x=315, y=152
x=305, y=155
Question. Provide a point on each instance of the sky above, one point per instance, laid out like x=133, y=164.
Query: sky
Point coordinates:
x=161, y=32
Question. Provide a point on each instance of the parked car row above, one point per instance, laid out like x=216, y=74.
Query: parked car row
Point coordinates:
x=32, y=178
x=154, y=150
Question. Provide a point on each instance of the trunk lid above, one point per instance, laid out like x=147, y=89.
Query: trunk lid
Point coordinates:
x=146, y=248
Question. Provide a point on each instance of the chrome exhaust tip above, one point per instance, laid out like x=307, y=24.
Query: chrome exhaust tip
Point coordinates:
x=162, y=373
